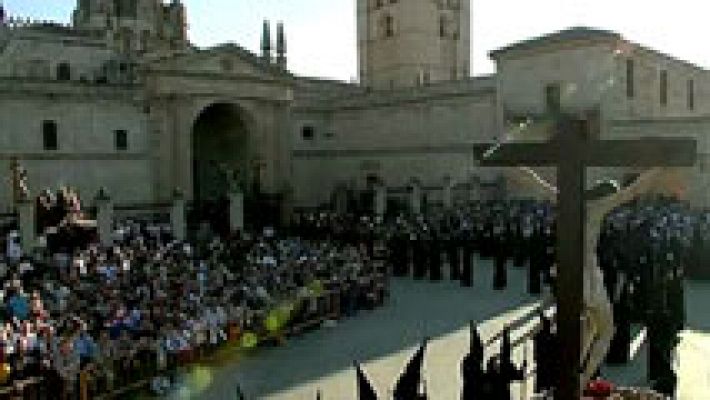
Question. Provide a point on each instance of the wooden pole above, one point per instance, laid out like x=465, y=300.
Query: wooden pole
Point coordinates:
x=570, y=264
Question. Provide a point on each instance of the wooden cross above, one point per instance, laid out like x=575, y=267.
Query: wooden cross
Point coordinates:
x=571, y=150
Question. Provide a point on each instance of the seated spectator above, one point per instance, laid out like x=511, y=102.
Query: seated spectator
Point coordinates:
x=17, y=304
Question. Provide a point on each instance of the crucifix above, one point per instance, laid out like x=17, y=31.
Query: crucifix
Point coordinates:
x=572, y=149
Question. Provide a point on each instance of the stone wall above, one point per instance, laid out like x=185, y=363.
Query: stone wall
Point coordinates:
x=35, y=52
x=585, y=74
x=594, y=76
x=86, y=157
x=645, y=99
x=396, y=136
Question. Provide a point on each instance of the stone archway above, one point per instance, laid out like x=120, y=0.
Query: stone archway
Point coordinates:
x=221, y=148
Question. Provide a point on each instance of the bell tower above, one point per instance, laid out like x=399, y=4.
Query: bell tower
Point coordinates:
x=404, y=43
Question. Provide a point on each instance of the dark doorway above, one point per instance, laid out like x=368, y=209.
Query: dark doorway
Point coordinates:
x=220, y=145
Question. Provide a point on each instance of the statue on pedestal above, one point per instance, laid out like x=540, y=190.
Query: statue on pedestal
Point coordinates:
x=20, y=188
x=233, y=177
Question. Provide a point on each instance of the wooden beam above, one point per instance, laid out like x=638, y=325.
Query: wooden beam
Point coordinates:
x=649, y=152
x=516, y=154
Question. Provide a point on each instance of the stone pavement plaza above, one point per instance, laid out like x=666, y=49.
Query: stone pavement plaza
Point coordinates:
x=384, y=339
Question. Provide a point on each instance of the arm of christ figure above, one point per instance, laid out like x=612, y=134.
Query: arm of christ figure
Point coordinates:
x=528, y=176
x=643, y=184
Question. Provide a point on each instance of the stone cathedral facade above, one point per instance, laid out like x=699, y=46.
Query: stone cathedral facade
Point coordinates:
x=121, y=99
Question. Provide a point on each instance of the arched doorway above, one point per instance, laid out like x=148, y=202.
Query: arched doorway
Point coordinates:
x=221, y=153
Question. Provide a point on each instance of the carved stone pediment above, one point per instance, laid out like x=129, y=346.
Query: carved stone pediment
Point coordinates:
x=227, y=60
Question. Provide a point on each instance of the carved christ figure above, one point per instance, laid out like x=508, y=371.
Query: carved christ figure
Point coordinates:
x=598, y=322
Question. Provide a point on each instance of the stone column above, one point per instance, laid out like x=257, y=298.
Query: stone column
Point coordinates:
x=415, y=197
x=28, y=230
x=236, y=211
x=104, y=218
x=448, y=195
x=177, y=215
x=380, y=199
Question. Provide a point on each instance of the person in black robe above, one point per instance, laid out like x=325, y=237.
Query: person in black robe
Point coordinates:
x=409, y=382
x=695, y=251
x=486, y=239
x=661, y=340
x=435, y=273
x=550, y=240
x=673, y=276
x=500, y=273
x=497, y=380
x=676, y=298
x=605, y=258
x=620, y=347
x=398, y=253
x=467, y=242
x=369, y=238
x=538, y=257
x=702, y=269
x=452, y=254
x=419, y=255
x=644, y=271
x=544, y=344
x=472, y=368
x=520, y=249
x=506, y=357
x=365, y=390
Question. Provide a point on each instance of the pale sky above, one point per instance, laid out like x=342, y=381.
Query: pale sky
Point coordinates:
x=321, y=33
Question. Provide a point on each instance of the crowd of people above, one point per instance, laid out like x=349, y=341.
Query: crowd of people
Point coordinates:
x=74, y=307
x=645, y=249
